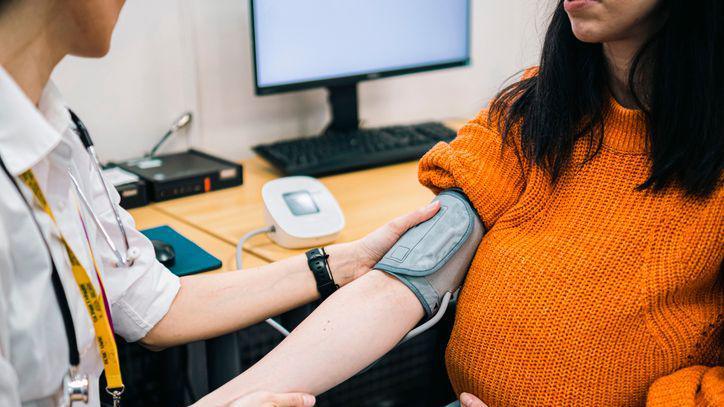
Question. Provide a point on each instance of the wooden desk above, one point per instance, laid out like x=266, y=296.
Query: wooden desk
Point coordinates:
x=150, y=216
x=369, y=199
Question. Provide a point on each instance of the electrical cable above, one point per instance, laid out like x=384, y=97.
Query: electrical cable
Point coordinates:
x=239, y=262
x=432, y=321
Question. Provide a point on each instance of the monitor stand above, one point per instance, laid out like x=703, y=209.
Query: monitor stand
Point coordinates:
x=343, y=104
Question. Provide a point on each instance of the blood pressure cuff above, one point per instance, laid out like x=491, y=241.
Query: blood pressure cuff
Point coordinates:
x=433, y=257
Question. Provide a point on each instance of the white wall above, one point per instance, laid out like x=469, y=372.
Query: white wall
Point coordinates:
x=169, y=56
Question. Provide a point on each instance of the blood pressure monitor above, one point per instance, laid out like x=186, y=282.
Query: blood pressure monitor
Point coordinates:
x=302, y=211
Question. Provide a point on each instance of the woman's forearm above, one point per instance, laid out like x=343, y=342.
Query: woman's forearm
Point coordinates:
x=350, y=330
x=209, y=305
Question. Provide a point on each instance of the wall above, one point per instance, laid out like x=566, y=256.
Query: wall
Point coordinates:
x=168, y=56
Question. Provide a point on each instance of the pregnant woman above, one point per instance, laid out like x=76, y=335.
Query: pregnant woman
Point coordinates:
x=598, y=178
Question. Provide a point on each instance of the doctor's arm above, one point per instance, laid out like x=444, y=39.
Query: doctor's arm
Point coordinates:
x=209, y=305
x=154, y=306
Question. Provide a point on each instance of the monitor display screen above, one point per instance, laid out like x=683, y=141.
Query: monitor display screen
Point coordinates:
x=309, y=41
x=300, y=203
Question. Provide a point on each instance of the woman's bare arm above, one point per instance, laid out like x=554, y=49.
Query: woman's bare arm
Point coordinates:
x=350, y=330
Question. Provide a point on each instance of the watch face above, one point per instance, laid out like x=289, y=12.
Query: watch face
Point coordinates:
x=300, y=203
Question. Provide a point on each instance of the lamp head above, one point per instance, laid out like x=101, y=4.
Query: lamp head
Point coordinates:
x=183, y=121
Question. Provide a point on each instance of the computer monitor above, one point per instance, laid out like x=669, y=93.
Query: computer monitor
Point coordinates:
x=301, y=44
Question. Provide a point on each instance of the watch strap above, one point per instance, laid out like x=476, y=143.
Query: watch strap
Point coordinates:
x=318, y=264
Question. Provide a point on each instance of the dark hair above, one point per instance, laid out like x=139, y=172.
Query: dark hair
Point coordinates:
x=677, y=79
x=4, y=4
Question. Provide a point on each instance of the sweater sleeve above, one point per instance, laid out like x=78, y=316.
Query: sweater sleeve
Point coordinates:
x=693, y=386
x=491, y=173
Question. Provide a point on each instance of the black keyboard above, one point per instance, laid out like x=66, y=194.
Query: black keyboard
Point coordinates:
x=336, y=152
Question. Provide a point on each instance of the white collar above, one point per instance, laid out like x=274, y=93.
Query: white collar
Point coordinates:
x=27, y=133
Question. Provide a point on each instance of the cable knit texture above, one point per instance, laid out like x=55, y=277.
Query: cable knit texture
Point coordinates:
x=588, y=292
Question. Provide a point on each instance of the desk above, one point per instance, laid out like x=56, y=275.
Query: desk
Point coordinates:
x=369, y=199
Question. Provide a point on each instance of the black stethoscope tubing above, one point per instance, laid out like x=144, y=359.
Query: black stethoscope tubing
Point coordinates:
x=84, y=136
x=81, y=130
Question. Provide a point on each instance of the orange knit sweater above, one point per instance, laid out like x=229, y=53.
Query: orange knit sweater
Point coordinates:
x=589, y=292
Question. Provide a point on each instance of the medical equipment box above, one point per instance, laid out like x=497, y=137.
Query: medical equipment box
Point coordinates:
x=182, y=174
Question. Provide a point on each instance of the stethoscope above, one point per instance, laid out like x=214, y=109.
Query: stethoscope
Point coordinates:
x=126, y=256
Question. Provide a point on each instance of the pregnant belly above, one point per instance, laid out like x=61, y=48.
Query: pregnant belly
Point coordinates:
x=526, y=335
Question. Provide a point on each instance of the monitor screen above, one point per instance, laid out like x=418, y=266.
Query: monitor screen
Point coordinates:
x=300, y=203
x=313, y=42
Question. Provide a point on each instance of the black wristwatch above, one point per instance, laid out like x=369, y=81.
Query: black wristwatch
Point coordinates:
x=317, y=261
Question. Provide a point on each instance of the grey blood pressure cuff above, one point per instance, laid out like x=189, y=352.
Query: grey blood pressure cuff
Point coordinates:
x=433, y=257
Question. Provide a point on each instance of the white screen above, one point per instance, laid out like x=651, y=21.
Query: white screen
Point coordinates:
x=308, y=40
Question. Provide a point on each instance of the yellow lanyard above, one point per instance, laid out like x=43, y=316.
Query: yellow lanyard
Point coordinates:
x=93, y=301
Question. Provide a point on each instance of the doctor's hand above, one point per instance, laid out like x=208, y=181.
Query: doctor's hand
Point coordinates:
x=349, y=261
x=268, y=399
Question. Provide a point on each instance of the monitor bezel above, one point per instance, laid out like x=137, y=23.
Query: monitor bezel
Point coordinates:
x=351, y=79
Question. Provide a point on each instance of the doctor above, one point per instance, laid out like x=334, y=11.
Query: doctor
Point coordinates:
x=63, y=289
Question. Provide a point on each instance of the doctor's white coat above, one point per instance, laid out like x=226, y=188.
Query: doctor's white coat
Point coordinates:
x=33, y=345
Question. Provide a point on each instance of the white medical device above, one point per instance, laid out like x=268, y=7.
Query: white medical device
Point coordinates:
x=302, y=212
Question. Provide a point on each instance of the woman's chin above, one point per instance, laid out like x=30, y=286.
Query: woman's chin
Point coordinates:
x=587, y=32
